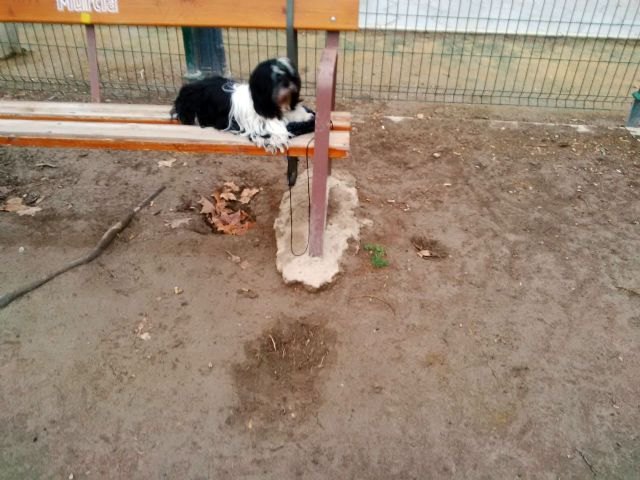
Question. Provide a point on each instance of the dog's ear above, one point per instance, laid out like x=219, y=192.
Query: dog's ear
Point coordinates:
x=261, y=86
x=295, y=96
x=294, y=77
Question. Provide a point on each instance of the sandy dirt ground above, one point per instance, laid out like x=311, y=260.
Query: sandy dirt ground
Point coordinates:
x=512, y=355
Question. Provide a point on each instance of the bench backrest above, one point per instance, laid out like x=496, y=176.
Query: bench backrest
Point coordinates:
x=331, y=15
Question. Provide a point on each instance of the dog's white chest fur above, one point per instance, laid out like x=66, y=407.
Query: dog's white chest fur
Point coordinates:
x=299, y=114
x=269, y=133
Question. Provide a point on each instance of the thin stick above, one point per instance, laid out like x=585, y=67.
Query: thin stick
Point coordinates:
x=586, y=460
x=322, y=361
x=371, y=297
x=274, y=343
x=630, y=291
x=104, y=242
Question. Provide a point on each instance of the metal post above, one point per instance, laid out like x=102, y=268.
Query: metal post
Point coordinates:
x=634, y=114
x=92, y=58
x=325, y=97
x=292, y=34
x=292, y=53
x=204, y=51
x=9, y=41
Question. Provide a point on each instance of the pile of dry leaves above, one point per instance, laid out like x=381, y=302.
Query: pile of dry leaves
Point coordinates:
x=24, y=205
x=229, y=212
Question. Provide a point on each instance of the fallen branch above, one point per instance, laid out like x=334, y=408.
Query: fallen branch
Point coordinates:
x=104, y=242
x=587, y=462
x=371, y=297
x=630, y=291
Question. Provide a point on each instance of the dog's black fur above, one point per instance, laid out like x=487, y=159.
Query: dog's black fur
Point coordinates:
x=275, y=90
x=204, y=101
x=266, y=84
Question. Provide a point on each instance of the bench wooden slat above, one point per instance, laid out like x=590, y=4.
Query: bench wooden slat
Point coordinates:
x=110, y=112
x=136, y=136
x=336, y=15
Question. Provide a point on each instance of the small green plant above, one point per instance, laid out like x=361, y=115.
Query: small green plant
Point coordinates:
x=377, y=255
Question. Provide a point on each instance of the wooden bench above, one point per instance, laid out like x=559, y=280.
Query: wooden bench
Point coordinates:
x=137, y=127
x=148, y=127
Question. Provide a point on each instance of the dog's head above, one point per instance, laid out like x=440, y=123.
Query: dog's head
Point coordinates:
x=275, y=87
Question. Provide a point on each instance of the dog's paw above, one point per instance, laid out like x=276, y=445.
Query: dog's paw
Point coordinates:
x=311, y=113
x=258, y=140
x=300, y=114
x=277, y=143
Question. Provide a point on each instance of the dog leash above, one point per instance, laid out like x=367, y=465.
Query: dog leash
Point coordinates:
x=292, y=175
x=291, y=202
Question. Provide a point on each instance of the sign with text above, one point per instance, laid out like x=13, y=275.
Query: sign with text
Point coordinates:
x=88, y=6
x=309, y=14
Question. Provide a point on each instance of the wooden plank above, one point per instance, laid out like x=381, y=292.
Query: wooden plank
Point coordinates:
x=135, y=136
x=111, y=112
x=309, y=14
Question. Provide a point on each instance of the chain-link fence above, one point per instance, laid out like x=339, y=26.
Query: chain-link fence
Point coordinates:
x=555, y=53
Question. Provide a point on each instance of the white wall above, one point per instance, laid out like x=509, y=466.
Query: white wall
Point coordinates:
x=588, y=18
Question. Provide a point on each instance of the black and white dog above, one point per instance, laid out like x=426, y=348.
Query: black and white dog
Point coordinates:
x=267, y=110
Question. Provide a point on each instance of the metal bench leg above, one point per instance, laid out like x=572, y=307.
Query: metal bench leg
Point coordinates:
x=325, y=99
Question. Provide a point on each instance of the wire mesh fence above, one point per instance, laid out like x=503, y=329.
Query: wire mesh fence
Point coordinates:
x=553, y=53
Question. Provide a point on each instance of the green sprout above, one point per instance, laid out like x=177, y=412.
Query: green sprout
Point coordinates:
x=377, y=255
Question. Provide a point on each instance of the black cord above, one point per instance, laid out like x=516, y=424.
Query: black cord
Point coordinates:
x=308, y=208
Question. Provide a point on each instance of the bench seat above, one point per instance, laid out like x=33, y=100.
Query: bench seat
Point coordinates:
x=110, y=112
x=150, y=136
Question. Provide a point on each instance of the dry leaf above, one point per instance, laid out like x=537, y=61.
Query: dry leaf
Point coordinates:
x=231, y=218
x=232, y=257
x=15, y=205
x=31, y=211
x=247, y=194
x=225, y=213
x=232, y=186
x=166, y=163
x=220, y=205
x=178, y=222
x=233, y=228
x=207, y=206
x=229, y=196
x=247, y=293
x=232, y=223
x=428, y=248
